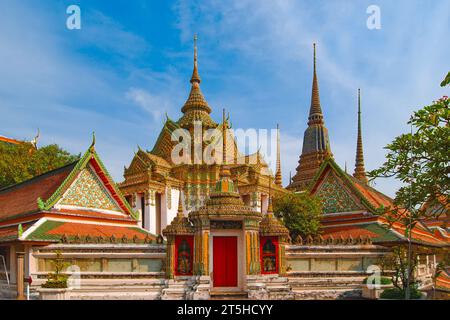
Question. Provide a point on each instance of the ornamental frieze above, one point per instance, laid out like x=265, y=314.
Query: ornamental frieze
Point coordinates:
x=226, y=225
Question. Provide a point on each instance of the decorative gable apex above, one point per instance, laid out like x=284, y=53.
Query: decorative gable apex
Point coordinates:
x=88, y=191
x=336, y=197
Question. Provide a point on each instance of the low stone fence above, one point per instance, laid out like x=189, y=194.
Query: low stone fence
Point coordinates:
x=321, y=270
x=102, y=271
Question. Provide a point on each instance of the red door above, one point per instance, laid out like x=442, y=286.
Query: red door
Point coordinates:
x=225, y=262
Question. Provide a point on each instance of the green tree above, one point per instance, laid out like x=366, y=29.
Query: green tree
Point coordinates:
x=421, y=160
x=22, y=162
x=300, y=213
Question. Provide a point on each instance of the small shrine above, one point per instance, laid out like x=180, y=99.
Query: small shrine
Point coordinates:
x=225, y=241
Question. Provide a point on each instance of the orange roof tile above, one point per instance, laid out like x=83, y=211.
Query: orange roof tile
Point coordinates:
x=22, y=198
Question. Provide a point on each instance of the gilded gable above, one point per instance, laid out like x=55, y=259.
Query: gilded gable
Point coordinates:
x=88, y=191
x=336, y=197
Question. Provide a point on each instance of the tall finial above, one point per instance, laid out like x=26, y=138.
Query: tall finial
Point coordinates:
x=225, y=172
x=315, y=58
x=180, y=205
x=278, y=175
x=315, y=113
x=195, y=76
x=360, y=171
x=270, y=205
x=92, y=147
x=34, y=142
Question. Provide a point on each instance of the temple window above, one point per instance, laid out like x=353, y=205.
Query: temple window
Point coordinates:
x=269, y=255
x=183, y=256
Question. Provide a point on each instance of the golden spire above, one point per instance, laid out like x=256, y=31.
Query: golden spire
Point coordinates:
x=180, y=205
x=195, y=76
x=316, y=142
x=278, y=176
x=224, y=172
x=360, y=171
x=270, y=206
x=196, y=102
x=316, y=109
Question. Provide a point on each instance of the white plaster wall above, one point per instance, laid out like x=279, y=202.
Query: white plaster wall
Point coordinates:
x=172, y=212
x=151, y=209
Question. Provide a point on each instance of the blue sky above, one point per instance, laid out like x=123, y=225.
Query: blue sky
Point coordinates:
x=132, y=60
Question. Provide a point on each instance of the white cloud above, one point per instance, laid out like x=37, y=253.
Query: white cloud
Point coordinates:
x=155, y=105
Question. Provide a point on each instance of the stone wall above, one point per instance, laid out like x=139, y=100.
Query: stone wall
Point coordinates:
x=330, y=271
x=104, y=271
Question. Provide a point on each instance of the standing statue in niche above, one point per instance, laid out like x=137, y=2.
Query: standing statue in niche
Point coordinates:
x=184, y=258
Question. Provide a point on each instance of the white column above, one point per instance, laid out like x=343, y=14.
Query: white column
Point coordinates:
x=164, y=210
x=150, y=212
x=138, y=206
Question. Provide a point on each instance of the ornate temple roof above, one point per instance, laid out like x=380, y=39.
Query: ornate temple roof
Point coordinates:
x=81, y=196
x=352, y=208
x=180, y=225
x=271, y=226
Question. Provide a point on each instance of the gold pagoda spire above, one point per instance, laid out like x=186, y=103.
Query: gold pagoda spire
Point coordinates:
x=360, y=171
x=315, y=110
x=180, y=205
x=196, y=106
x=270, y=205
x=316, y=142
x=278, y=175
x=195, y=76
x=224, y=171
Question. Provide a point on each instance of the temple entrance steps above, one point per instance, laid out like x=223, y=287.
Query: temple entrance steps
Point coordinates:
x=179, y=288
x=229, y=295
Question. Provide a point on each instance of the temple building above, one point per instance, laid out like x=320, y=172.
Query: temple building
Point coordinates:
x=153, y=181
x=78, y=212
x=232, y=247
x=354, y=235
x=197, y=229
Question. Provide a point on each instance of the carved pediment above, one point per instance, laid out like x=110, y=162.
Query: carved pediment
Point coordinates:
x=336, y=197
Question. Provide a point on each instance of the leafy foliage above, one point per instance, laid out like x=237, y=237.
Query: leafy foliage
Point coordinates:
x=397, y=262
x=399, y=294
x=22, y=162
x=300, y=213
x=421, y=161
x=57, y=279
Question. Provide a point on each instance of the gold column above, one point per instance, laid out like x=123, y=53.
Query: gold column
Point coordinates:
x=170, y=257
x=252, y=249
x=20, y=275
